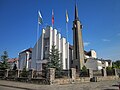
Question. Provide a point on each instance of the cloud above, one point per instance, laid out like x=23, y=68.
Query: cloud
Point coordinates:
x=86, y=43
x=105, y=40
x=118, y=34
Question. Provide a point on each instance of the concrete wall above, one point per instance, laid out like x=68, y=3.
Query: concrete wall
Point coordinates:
x=24, y=60
x=45, y=42
x=93, y=54
x=91, y=64
x=38, y=52
x=96, y=64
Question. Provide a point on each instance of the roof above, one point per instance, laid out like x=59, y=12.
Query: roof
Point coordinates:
x=12, y=60
x=87, y=53
x=105, y=60
x=27, y=50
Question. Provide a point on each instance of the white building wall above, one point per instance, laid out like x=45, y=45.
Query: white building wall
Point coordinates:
x=53, y=37
x=50, y=38
x=67, y=55
x=106, y=64
x=99, y=64
x=42, y=44
x=37, y=55
x=63, y=51
x=24, y=60
x=59, y=43
x=93, y=54
x=27, y=59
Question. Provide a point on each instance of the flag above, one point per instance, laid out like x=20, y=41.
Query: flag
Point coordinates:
x=67, y=19
x=52, y=17
x=39, y=18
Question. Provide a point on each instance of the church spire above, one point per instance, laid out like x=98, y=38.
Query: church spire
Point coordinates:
x=76, y=12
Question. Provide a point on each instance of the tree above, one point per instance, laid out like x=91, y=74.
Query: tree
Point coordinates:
x=54, y=60
x=84, y=71
x=116, y=64
x=15, y=67
x=4, y=58
x=24, y=72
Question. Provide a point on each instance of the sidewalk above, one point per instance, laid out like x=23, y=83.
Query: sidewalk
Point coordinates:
x=105, y=85
x=22, y=85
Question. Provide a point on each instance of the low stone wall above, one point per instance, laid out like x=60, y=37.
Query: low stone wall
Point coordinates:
x=69, y=80
x=62, y=81
x=82, y=79
x=107, y=78
x=36, y=77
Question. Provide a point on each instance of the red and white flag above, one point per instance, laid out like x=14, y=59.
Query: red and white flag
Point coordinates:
x=52, y=17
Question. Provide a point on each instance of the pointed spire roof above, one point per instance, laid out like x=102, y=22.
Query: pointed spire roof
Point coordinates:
x=76, y=13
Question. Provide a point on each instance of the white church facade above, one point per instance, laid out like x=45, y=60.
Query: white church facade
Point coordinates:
x=43, y=46
x=37, y=57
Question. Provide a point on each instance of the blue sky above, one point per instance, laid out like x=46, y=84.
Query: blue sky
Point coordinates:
x=100, y=19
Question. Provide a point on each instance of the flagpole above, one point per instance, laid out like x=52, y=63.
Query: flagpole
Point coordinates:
x=37, y=44
x=53, y=22
x=67, y=41
x=52, y=25
x=68, y=48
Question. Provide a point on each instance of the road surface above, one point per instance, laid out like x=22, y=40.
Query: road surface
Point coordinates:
x=103, y=85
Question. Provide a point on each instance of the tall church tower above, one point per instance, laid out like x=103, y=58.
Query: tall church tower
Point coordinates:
x=78, y=49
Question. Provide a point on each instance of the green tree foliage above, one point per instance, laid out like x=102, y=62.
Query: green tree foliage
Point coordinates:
x=84, y=68
x=84, y=71
x=108, y=68
x=4, y=58
x=24, y=72
x=14, y=67
x=116, y=64
x=109, y=71
x=54, y=60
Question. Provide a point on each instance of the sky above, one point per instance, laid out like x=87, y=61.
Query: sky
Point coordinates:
x=100, y=20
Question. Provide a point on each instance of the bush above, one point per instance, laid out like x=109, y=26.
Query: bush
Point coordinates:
x=84, y=72
x=24, y=73
x=109, y=71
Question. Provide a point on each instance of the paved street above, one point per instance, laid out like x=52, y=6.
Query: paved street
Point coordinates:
x=104, y=85
x=9, y=88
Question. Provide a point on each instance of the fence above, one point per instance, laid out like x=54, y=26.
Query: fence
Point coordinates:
x=2, y=73
x=118, y=72
x=97, y=73
x=12, y=74
x=110, y=72
x=39, y=74
x=84, y=73
x=62, y=74
x=51, y=76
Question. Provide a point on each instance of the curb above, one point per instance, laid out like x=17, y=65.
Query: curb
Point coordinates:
x=15, y=87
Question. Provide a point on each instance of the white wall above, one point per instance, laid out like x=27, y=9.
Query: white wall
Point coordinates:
x=67, y=56
x=24, y=60
x=60, y=43
x=37, y=55
x=93, y=54
x=63, y=51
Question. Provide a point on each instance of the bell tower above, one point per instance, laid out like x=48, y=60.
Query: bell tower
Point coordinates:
x=78, y=48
